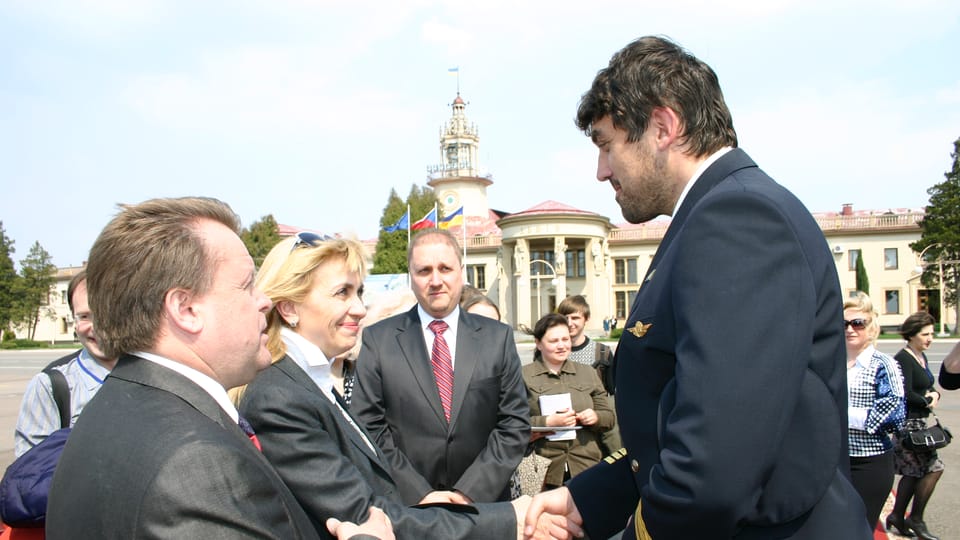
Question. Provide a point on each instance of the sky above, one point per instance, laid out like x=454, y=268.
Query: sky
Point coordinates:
x=312, y=111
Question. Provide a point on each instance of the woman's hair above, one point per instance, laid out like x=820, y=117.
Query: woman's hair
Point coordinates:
x=472, y=296
x=545, y=323
x=287, y=274
x=861, y=302
x=913, y=324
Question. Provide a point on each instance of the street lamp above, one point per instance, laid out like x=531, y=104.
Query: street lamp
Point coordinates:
x=553, y=281
x=920, y=267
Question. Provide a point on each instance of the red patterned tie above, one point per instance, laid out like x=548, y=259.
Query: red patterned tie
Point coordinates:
x=442, y=366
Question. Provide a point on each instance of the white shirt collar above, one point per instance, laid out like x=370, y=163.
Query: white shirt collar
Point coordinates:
x=202, y=380
x=309, y=353
x=697, y=174
x=310, y=359
x=451, y=319
x=863, y=359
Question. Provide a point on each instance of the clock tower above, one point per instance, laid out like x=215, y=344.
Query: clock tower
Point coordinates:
x=458, y=179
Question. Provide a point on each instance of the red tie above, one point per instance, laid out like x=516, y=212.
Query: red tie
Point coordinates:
x=442, y=366
x=248, y=429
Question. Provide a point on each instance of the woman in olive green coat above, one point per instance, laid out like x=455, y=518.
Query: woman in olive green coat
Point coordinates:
x=551, y=374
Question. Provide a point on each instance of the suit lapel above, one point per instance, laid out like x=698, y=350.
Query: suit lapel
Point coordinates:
x=292, y=370
x=468, y=346
x=414, y=351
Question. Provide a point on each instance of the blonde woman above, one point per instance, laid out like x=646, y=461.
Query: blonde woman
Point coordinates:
x=330, y=463
x=876, y=408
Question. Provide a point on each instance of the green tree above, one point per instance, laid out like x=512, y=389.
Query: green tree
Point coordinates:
x=863, y=282
x=260, y=238
x=8, y=283
x=38, y=275
x=940, y=235
x=391, y=255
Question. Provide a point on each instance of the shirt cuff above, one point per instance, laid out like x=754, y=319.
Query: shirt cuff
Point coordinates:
x=857, y=417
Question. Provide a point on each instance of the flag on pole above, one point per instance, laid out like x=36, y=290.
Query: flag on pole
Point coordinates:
x=402, y=225
x=453, y=70
x=429, y=220
x=454, y=219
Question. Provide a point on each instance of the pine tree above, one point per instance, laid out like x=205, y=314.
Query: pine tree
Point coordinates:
x=863, y=282
x=940, y=232
x=260, y=238
x=38, y=275
x=8, y=283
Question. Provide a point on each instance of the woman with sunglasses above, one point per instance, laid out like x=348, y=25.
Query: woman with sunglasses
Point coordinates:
x=875, y=406
x=305, y=431
x=920, y=470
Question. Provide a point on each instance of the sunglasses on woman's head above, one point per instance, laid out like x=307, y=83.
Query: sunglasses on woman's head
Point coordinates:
x=308, y=239
x=857, y=324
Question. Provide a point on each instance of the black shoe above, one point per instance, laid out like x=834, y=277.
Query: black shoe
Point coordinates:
x=897, y=522
x=920, y=529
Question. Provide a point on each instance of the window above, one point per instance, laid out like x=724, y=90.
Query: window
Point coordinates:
x=625, y=271
x=890, y=259
x=576, y=263
x=624, y=299
x=63, y=296
x=891, y=299
x=477, y=275
x=538, y=268
x=852, y=257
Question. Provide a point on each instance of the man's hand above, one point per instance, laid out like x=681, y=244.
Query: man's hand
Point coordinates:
x=553, y=514
x=377, y=525
x=445, y=497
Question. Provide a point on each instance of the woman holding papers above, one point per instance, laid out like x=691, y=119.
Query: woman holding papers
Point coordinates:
x=568, y=404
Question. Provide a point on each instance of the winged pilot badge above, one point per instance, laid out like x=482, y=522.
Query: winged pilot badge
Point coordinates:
x=639, y=329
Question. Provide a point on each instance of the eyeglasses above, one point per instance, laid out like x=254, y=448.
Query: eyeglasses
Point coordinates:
x=857, y=324
x=309, y=239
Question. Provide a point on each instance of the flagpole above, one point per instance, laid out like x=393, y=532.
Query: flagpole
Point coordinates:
x=408, y=245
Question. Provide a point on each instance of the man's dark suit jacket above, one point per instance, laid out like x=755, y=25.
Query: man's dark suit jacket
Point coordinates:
x=731, y=379
x=154, y=456
x=396, y=398
x=333, y=473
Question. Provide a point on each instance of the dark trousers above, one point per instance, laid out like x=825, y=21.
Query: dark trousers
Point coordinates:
x=872, y=477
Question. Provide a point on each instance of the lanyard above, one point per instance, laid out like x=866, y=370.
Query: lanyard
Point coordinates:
x=87, y=371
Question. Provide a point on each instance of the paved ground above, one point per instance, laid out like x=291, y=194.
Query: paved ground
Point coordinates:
x=16, y=368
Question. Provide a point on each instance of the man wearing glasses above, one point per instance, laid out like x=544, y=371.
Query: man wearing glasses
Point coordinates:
x=42, y=412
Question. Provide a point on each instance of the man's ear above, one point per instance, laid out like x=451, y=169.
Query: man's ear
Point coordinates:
x=181, y=310
x=288, y=311
x=666, y=126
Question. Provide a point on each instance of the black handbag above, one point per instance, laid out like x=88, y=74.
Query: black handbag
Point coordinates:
x=929, y=438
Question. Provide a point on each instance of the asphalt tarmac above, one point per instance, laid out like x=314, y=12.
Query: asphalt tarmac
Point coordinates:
x=17, y=367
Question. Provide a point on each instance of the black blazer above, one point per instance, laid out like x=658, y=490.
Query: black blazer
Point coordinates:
x=333, y=473
x=916, y=383
x=731, y=387
x=154, y=456
x=396, y=398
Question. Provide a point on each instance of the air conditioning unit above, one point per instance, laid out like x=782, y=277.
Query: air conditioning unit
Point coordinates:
x=838, y=249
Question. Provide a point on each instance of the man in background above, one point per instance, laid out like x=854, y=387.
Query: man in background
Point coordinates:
x=440, y=389
x=83, y=371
